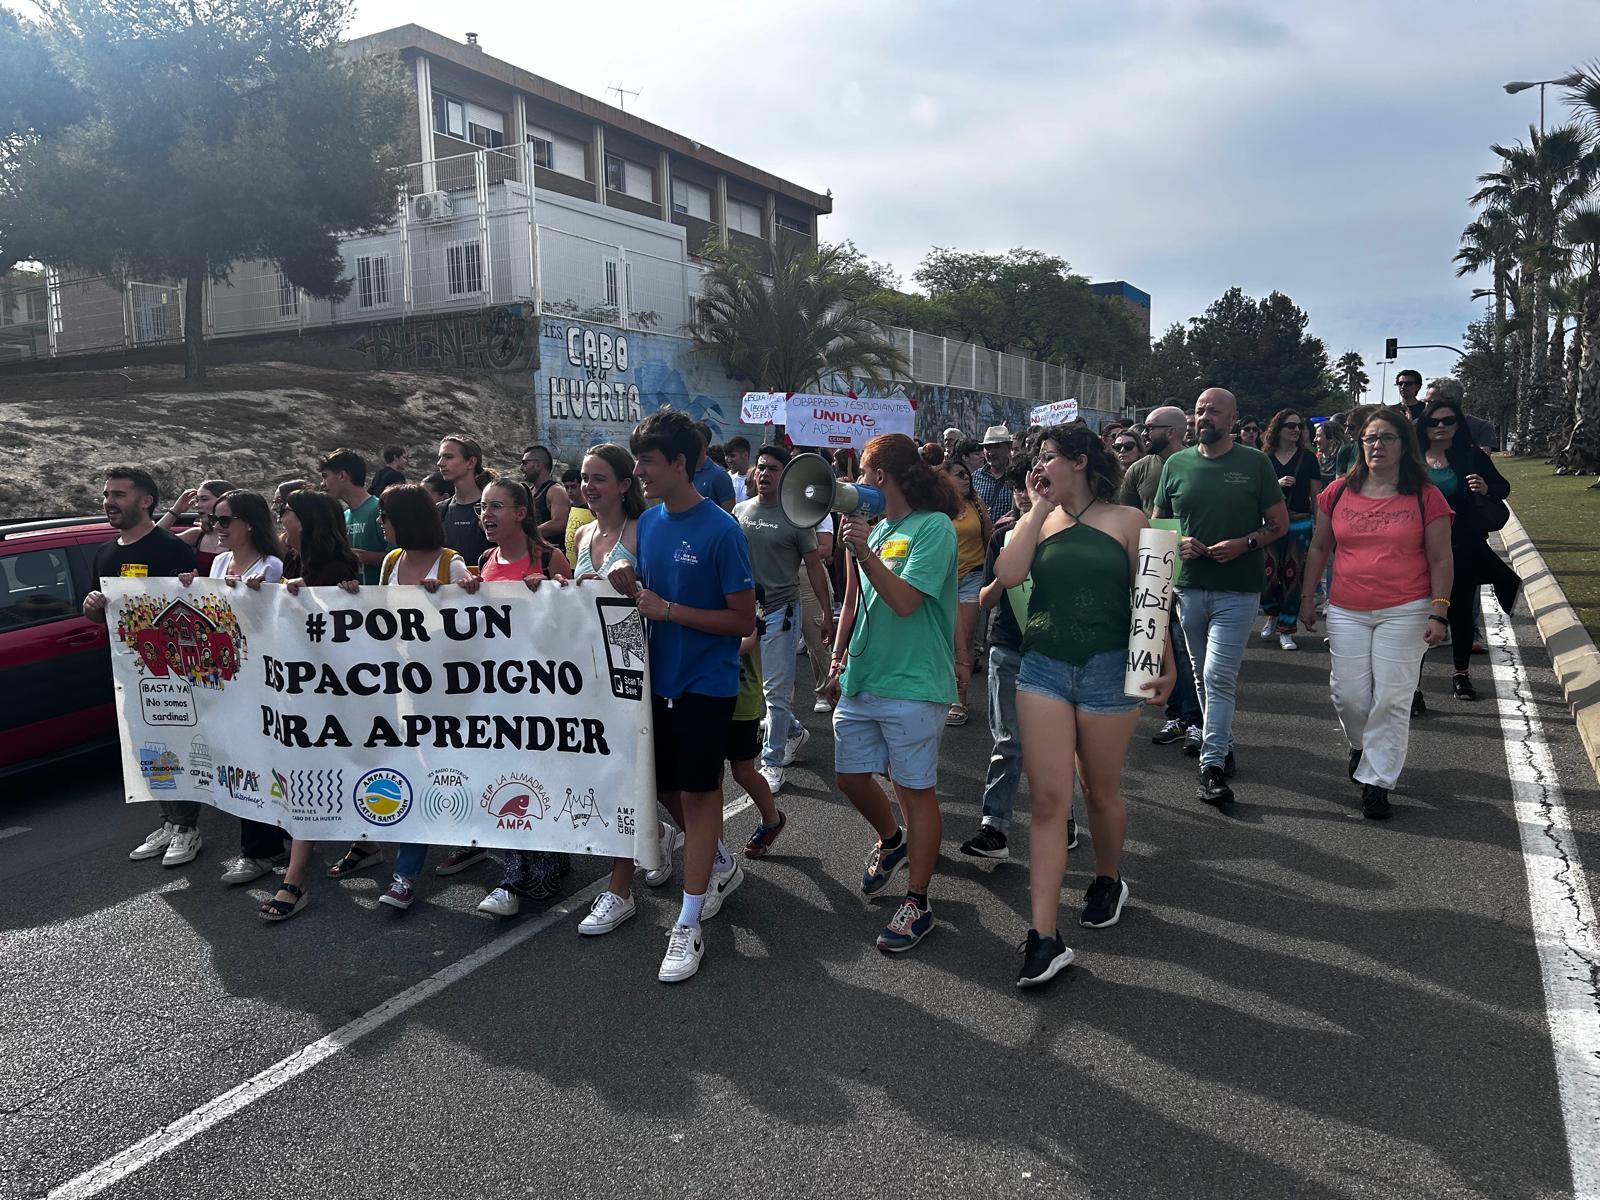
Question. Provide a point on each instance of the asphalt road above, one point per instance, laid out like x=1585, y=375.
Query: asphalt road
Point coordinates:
x=1297, y=1002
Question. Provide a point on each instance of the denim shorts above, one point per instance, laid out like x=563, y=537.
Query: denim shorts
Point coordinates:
x=1095, y=687
x=968, y=586
x=883, y=736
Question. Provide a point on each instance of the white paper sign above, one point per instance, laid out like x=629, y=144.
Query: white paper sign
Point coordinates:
x=1152, y=608
x=762, y=408
x=847, y=420
x=506, y=718
x=1059, y=413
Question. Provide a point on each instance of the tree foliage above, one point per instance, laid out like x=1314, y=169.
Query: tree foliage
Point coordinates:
x=1353, y=378
x=1169, y=375
x=1260, y=351
x=794, y=317
x=167, y=139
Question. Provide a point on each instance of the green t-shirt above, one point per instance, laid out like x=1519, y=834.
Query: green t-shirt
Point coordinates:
x=1344, y=458
x=366, y=533
x=752, y=702
x=1215, y=499
x=908, y=658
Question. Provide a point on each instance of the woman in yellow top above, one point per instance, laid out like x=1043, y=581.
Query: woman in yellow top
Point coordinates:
x=973, y=531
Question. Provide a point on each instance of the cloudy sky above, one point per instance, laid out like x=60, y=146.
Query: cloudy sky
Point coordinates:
x=1325, y=150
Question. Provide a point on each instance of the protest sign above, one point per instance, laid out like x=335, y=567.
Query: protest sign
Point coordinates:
x=846, y=420
x=1058, y=413
x=1152, y=609
x=506, y=718
x=762, y=408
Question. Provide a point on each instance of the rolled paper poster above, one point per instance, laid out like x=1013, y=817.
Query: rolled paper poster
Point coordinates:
x=1152, y=608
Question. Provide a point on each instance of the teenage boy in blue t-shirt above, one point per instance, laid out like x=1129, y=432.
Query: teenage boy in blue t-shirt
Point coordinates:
x=694, y=587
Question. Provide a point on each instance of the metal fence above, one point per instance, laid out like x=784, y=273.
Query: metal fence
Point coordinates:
x=466, y=237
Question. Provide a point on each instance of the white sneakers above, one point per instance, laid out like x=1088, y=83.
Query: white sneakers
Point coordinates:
x=773, y=776
x=722, y=886
x=243, y=870
x=1269, y=628
x=155, y=843
x=821, y=706
x=183, y=847
x=1285, y=642
x=502, y=902
x=792, y=747
x=671, y=839
x=685, y=949
x=609, y=911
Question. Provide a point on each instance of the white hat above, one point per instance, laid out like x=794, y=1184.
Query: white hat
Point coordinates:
x=996, y=434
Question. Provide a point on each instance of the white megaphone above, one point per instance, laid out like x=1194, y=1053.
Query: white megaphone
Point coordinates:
x=808, y=492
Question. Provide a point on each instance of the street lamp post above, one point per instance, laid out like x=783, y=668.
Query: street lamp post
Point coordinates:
x=1522, y=85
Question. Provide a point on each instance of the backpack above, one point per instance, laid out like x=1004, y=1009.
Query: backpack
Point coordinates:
x=391, y=564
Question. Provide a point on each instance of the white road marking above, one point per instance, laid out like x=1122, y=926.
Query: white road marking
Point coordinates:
x=163, y=1141
x=1563, y=917
x=13, y=830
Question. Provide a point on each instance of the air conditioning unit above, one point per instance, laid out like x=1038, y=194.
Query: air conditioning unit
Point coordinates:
x=430, y=206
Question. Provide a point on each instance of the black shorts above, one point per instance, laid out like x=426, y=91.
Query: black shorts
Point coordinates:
x=744, y=740
x=691, y=741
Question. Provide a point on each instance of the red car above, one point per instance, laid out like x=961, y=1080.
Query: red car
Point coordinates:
x=55, y=665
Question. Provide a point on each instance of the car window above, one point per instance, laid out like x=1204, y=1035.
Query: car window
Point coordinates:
x=35, y=586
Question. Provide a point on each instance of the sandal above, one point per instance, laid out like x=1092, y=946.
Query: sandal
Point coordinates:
x=282, y=910
x=958, y=715
x=357, y=858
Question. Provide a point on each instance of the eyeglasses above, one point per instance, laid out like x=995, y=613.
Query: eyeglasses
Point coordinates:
x=1380, y=439
x=223, y=522
x=1249, y=429
x=1405, y=383
x=1437, y=422
x=1124, y=447
x=1291, y=425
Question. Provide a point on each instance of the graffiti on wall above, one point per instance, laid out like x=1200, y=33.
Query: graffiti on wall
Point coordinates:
x=489, y=339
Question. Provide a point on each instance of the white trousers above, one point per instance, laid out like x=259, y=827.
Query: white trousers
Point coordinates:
x=1377, y=658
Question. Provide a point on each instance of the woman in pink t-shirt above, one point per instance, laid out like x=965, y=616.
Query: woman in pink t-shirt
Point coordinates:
x=1388, y=529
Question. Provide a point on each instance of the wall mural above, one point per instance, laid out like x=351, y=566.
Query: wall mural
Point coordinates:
x=488, y=339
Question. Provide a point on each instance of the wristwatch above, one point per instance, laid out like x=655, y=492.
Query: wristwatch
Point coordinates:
x=1251, y=541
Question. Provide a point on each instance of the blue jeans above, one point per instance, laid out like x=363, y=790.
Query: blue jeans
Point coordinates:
x=1216, y=626
x=1005, y=760
x=408, y=859
x=779, y=647
x=1184, y=703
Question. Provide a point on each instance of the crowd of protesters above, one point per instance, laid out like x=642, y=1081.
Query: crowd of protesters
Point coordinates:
x=1007, y=554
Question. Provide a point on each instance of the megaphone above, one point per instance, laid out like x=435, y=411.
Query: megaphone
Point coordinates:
x=808, y=492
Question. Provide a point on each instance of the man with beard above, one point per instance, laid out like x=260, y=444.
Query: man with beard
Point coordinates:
x=991, y=480
x=142, y=551
x=552, y=505
x=1229, y=505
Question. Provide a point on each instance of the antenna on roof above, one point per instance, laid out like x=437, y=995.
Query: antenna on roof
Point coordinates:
x=622, y=93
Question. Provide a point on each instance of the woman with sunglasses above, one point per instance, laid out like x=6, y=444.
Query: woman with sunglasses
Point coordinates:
x=1301, y=480
x=1467, y=477
x=1128, y=448
x=1248, y=433
x=973, y=531
x=202, y=535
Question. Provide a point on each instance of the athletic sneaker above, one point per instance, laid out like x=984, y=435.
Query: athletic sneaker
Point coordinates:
x=773, y=776
x=608, y=911
x=1419, y=706
x=1194, y=741
x=906, y=928
x=762, y=838
x=720, y=888
x=685, y=949
x=1102, y=903
x=185, y=844
x=989, y=842
x=1375, y=802
x=1043, y=958
x=399, y=894
x=1285, y=642
x=243, y=869
x=671, y=839
x=502, y=902
x=882, y=865
x=1214, y=787
x=1172, y=731
x=154, y=843
x=795, y=744
x=1269, y=629
x=460, y=859
x=822, y=706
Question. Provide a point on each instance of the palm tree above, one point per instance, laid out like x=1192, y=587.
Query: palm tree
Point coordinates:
x=1351, y=371
x=795, y=319
x=1491, y=241
x=1581, y=454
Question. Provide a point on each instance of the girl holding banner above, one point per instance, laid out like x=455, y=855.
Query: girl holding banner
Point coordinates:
x=1082, y=552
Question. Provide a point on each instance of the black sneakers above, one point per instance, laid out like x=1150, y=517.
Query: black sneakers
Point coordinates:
x=1214, y=787
x=1461, y=687
x=1043, y=958
x=1355, y=761
x=1419, y=706
x=1374, y=802
x=988, y=843
x=1102, y=903
x=1172, y=731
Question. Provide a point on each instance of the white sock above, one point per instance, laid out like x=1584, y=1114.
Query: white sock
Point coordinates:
x=689, y=914
x=723, y=862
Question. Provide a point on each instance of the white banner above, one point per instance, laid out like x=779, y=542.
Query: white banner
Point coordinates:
x=847, y=420
x=1059, y=413
x=1152, y=609
x=506, y=718
x=762, y=408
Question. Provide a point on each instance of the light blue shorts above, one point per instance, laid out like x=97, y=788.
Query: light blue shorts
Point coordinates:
x=968, y=586
x=897, y=738
x=1095, y=687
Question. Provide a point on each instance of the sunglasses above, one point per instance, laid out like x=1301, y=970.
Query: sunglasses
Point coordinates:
x=1437, y=422
x=1291, y=425
x=223, y=522
x=1249, y=429
x=1124, y=447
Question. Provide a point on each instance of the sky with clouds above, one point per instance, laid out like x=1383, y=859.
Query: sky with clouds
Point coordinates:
x=1322, y=149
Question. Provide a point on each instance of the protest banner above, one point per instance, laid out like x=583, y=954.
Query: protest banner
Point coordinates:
x=1152, y=609
x=505, y=718
x=846, y=420
x=762, y=408
x=1060, y=412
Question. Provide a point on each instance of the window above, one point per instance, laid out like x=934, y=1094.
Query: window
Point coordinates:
x=288, y=297
x=35, y=586
x=449, y=116
x=614, y=290
x=463, y=262
x=691, y=199
x=745, y=218
x=543, y=151
x=616, y=174
x=372, y=280
x=792, y=223
x=559, y=153
x=629, y=178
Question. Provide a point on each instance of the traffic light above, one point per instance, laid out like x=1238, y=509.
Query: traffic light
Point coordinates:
x=1391, y=349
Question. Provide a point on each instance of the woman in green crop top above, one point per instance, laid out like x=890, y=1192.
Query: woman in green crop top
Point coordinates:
x=1081, y=550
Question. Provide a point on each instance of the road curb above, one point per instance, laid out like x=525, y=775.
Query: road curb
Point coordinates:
x=1572, y=650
